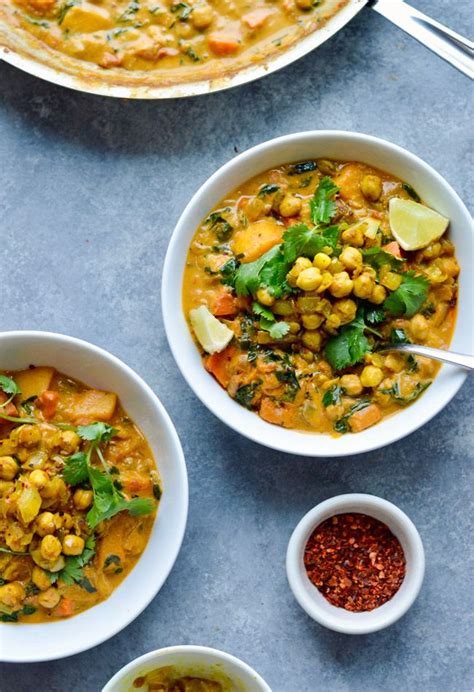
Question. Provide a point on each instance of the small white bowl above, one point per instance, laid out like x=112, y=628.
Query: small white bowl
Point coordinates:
x=314, y=603
x=345, y=146
x=190, y=660
x=95, y=367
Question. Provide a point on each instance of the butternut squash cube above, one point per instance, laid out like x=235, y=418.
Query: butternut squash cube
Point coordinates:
x=86, y=18
x=33, y=382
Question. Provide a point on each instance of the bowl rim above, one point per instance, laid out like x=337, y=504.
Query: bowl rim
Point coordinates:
x=186, y=649
x=177, y=251
x=307, y=595
x=78, y=645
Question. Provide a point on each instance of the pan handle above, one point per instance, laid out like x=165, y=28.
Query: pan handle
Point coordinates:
x=449, y=45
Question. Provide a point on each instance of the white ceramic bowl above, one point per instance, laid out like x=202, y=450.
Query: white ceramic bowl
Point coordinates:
x=190, y=660
x=308, y=145
x=96, y=367
x=314, y=603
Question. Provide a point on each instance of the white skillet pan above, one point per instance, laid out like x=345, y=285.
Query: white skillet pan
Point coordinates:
x=33, y=57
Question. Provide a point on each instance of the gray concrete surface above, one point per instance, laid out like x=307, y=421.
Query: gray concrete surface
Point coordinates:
x=90, y=190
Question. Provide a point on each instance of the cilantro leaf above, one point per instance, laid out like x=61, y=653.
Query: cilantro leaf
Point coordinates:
x=299, y=240
x=96, y=432
x=267, y=271
x=245, y=394
x=378, y=258
x=322, y=205
x=76, y=469
x=408, y=297
x=9, y=386
x=264, y=312
x=349, y=346
x=277, y=330
x=72, y=570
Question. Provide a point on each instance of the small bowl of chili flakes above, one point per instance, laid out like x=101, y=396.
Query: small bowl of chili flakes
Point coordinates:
x=355, y=563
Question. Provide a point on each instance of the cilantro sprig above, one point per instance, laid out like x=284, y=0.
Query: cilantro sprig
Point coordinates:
x=268, y=323
x=350, y=345
x=270, y=269
x=73, y=569
x=8, y=386
x=409, y=296
x=108, y=498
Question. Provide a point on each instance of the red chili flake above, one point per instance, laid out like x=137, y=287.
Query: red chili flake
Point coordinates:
x=355, y=561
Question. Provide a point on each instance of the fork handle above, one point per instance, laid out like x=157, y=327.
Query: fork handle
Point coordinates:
x=460, y=359
x=449, y=45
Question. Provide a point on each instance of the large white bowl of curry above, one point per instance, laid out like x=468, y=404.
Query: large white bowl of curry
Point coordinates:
x=94, y=495
x=445, y=321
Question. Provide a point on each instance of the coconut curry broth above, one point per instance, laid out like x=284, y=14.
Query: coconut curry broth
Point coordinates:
x=285, y=375
x=69, y=459
x=169, y=34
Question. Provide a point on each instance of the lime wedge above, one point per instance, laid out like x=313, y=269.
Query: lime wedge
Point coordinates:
x=212, y=334
x=413, y=225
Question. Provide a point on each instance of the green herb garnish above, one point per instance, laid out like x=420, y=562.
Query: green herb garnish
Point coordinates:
x=408, y=298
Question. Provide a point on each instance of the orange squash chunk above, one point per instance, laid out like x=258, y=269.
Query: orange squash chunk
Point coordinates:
x=257, y=238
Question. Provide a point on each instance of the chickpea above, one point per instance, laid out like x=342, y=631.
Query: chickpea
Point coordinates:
x=351, y=258
x=322, y=261
x=255, y=209
x=73, y=545
x=45, y=524
x=341, y=286
x=304, y=5
x=378, y=294
x=354, y=235
x=312, y=321
x=54, y=488
x=394, y=362
x=345, y=309
x=294, y=327
x=290, y=205
x=67, y=522
x=363, y=286
x=326, y=281
x=419, y=327
x=351, y=384
x=12, y=595
x=333, y=322
x=432, y=251
x=69, y=441
x=326, y=166
x=300, y=264
x=265, y=297
x=38, y=478
x=202, y=17
x=371, y=376
x=309, y=279
x=312, y=340
x=336, y=266
x=8, y=468
x=49, y=598
x=371, y=187
x=50, y=547
x=40, y=578
x=29, y=435
x=83, y=498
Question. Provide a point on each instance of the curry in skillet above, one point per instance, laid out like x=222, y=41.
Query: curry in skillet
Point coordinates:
x=206, y=38
x=294, y=281
x=79, y=491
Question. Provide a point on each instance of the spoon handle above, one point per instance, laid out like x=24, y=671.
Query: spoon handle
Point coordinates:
x=452, y=47
x=460, y=359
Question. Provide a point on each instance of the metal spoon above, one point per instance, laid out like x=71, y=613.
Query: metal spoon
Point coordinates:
x=459, y=359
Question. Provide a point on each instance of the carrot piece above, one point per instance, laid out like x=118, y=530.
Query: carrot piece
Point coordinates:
x=393, y=248
x=66, y=607
x=278, y=414
x=364, y=418
x=219, y=365
x=257, y=238
x=48, y=402
x=257, y=18
x=223, y=44
x=224, y=305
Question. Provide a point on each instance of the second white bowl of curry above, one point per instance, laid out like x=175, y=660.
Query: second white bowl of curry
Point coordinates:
x=291, y=272
x=94, y=495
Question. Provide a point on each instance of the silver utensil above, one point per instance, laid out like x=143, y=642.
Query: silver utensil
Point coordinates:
x=31, y=55
x=460, y=359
